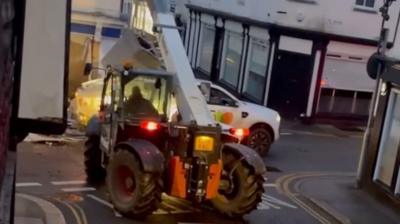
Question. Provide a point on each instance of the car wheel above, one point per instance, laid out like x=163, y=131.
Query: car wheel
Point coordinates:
x=260, y=139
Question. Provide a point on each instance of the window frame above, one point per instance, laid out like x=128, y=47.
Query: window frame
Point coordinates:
x=248, y=67
x=234, y=99
x=384, y=134
x=365, y=8
x=114, y=83
x=200, y=52
x=223, y=60
x=166, y=92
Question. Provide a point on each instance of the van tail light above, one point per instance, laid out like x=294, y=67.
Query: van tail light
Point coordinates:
x=150, y=125
x=240, y=132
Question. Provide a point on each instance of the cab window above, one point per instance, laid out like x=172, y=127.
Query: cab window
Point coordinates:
x=217, y=97
x=107, y=99
x=145, y=97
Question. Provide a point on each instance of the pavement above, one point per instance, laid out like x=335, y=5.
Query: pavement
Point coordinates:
x=33, y=210
x=323, y=130
x=334, y=198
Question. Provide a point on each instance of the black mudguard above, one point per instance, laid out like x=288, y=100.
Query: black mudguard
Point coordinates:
x=93, y=127
x=248, y=155
x=151, y=159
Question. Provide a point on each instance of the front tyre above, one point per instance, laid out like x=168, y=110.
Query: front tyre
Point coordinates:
x=94, y=170
x=134, y=193
x=240, y=189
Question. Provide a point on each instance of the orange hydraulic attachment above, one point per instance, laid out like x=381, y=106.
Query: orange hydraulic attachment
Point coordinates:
x=177, y=177
x=214, y=179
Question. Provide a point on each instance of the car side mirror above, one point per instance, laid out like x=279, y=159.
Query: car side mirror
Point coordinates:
x=225, y=102
x=229, y=103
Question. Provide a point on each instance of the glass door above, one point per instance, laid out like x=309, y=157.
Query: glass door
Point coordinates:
x=387, y=165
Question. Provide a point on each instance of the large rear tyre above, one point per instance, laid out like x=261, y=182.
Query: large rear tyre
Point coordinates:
x=240, y=189
x=134, y=193
x=95, y=172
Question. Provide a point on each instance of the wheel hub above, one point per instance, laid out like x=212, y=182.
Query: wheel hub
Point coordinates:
x=228, y=185
x=259, y=141
x=126, y=183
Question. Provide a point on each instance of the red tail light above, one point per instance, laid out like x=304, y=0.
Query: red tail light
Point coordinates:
x=150, y=125
x=239, y=132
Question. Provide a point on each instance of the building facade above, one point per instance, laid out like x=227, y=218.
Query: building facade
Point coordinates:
x=304, y=58
x=96, y=25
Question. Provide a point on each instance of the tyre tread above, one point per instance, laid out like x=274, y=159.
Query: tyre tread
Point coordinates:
x=150, y=191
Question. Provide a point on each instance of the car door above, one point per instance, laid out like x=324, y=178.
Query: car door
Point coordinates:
x=224, y=107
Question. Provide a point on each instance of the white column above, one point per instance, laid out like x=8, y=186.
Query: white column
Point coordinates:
x=271, y=61
x=313, y=83
x=244, y=61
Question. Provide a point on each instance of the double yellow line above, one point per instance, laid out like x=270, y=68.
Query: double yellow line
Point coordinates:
x=283, y=187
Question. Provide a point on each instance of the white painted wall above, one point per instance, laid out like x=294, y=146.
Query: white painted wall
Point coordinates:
x=329, y=16
x=108, y=7
x=43, y=64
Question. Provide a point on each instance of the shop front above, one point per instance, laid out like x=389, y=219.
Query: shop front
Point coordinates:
x=383, y=176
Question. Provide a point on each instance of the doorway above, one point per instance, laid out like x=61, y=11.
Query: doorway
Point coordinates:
x=290, y=83
x=387, y=166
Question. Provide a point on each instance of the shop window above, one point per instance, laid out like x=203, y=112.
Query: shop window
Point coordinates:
x=142, y=21
x=126, y=9
x=389, y=146
x=344, y=102
x=257, y=68
x=207, y=49
x=363, y=103
x=231, y=60
x=325, y=100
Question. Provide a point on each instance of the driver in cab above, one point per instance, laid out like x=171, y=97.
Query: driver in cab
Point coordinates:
x=137, y=105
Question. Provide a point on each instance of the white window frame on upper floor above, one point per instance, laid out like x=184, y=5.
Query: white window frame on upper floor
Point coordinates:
x=366, y=8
